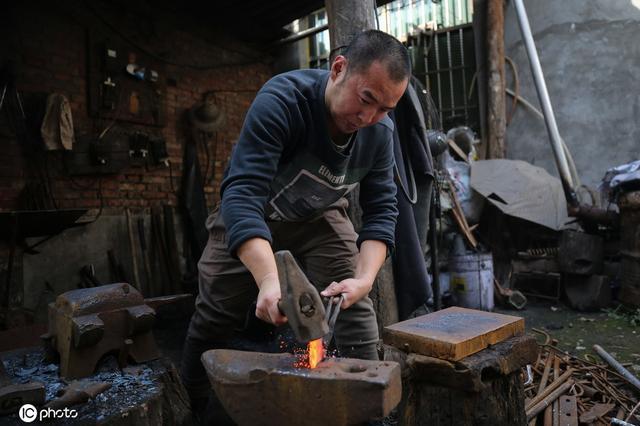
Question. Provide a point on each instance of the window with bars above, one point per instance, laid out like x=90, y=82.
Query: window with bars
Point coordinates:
x=444, y=60
x=319, y=45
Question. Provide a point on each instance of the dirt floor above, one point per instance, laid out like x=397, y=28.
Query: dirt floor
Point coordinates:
x=577, y=332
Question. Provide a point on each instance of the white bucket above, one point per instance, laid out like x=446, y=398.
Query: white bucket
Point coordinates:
x=472, y=280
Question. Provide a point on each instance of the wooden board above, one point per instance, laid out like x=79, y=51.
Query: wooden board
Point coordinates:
x=452, y=333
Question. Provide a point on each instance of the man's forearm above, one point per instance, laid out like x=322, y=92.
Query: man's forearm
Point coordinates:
x=372, y=255
x=256, y=254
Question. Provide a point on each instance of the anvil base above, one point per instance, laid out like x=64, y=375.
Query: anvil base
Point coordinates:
x=266, y=389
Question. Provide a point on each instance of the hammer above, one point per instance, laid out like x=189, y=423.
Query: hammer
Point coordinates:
x=300, y=301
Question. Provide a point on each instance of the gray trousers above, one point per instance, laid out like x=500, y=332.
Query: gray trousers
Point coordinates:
x=326, y=250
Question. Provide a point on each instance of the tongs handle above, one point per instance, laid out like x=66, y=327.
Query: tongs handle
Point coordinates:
x=331, y=314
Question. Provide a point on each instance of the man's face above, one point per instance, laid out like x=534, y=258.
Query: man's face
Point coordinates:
x=358, y=99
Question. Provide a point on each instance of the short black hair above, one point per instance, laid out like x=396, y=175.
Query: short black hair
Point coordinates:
x=374, y=45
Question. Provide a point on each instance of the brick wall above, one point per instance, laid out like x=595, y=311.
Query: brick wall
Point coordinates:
x=47, y=45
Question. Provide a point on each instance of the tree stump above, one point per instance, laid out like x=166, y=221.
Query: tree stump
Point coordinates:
x=480, y=390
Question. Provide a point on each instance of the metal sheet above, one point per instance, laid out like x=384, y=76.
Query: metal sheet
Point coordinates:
x=521, y=190
x=568, y=411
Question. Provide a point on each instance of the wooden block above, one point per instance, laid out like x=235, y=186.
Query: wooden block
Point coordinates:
x=452, y=333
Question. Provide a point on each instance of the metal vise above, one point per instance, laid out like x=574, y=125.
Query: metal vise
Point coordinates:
x=86, y=324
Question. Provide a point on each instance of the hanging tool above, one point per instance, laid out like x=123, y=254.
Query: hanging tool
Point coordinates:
x=159, y=247
x=134, y=251
x=145, y=257
x=172, y=246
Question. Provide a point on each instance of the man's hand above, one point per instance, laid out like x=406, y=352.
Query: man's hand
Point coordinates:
x=268, y=298
x=257, y=256
x=371, y=258
x=353, y=290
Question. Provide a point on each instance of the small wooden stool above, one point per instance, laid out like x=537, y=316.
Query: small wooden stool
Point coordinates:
x=483, y=388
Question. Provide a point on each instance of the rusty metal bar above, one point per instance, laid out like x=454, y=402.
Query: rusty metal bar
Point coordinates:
x=550, y=389
x=548, y=399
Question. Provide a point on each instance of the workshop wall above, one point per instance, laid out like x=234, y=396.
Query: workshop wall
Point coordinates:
x=48, y=51
x=591, y=62
x=49, y=47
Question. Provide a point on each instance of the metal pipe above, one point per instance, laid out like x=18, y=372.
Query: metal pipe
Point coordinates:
x=633, y=380
x=302, y=34
x=619, y=422
x=545, y=102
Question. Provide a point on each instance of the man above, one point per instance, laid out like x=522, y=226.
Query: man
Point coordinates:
x=309, y=137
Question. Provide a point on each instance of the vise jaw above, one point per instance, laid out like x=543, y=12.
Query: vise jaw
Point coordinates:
x=88, y=323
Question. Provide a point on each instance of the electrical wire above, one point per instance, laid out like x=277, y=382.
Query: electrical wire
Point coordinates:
x=412, y=182
x=516, y=89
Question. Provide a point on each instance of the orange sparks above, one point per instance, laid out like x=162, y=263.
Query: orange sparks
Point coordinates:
x=316, y=352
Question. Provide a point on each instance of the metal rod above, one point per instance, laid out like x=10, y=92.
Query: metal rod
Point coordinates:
x=464, y=76
x=549, y=389
x=450, y=62
x=545, y=102
x=548, y=400
x=615, y=421
x=302, y=34
x=433, y=241
x=617, y=366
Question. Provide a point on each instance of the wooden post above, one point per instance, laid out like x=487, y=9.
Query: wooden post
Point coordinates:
x=496, y=121
x=346, y=19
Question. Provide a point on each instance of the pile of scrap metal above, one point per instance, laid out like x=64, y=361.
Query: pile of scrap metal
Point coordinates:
x=579, y=391
x=603, y=235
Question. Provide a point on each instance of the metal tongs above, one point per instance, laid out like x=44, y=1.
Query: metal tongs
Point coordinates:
x=331, y=315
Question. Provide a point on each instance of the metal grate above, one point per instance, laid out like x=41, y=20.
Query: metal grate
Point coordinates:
x=444, y=61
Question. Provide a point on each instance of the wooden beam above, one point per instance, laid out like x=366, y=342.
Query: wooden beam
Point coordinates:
x=346, y=19
x=496, y=120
